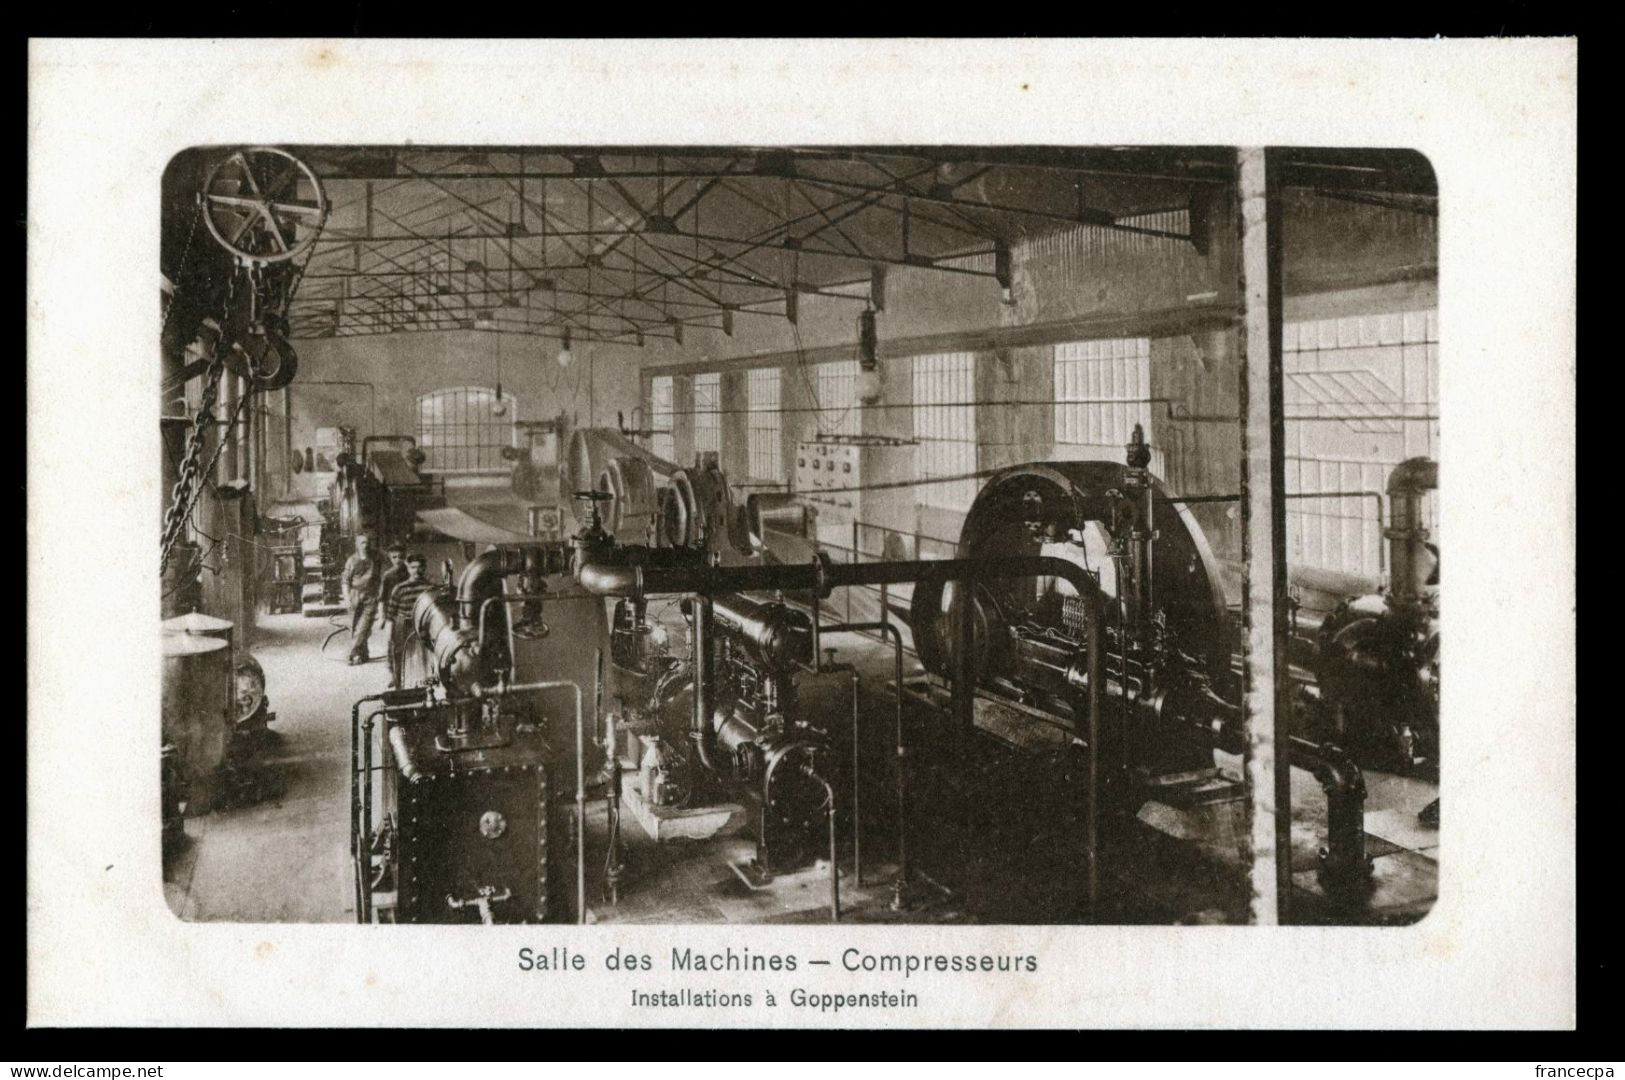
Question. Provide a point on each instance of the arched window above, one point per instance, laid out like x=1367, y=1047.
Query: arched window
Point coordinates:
x=461, y=428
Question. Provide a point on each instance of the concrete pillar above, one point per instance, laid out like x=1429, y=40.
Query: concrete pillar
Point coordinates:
x=735, y=434
x=1015, y=420
x=682, y=398
x=1264, y=644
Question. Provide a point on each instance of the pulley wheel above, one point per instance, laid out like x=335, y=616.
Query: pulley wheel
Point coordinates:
x=264, y=358
x=254, y=208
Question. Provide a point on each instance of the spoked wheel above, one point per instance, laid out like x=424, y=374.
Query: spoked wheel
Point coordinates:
x=264, y=205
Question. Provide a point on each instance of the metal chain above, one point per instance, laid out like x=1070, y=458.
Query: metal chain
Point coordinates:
x=180, y=268
x=189, y=484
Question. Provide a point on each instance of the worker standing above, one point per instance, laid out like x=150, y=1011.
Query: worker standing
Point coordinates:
x=360, y=581
x=398, y=614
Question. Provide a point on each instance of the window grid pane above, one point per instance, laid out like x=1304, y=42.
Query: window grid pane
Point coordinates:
x=836, y=387
x=1361, y=395
x=458, y=432
x=708, y=412
x=944, y=388
x=1102, y=389
x=764, y=425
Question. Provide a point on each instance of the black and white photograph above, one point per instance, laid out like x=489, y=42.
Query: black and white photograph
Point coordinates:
x=676, y=534
x=711, y=559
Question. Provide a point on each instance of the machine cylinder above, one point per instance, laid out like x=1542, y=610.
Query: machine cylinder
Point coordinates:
x=777, y=636
x=197, y=708
x=455, y=650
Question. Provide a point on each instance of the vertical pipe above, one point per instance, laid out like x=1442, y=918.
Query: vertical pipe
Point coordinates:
x=834, y=864
x=704, y=679
x=222, y=412
x=1264, y=580
x=857, y=805
x=581, y=813
x=287, y=449
x=364, y=915
x=1091, y=828
x=856, y=556
x=240, y=389
x=817, y=633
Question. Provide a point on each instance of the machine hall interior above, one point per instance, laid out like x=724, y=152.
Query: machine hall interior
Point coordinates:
x=800, y=534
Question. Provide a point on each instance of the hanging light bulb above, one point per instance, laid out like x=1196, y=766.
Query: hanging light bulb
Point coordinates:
x=566, y=357
x=499, y=404
x=869, y=384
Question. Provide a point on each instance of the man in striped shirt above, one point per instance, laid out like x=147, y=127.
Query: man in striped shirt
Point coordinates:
x=398, y=614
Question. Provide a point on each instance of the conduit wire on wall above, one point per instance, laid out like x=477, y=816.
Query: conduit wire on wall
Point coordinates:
x=812, y=390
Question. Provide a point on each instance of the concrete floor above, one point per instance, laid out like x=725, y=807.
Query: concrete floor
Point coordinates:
x=284, y=857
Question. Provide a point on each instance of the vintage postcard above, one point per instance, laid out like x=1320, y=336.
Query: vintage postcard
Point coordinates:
x=802, y=533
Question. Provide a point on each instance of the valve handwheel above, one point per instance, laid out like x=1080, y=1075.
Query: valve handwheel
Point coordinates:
x=253, y=206
x=595, y=522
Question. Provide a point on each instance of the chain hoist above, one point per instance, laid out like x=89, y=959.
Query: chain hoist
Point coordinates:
x=189, y=484
x=251, y=205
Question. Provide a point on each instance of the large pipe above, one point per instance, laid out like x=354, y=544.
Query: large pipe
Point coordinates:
x=703, y=663
x=834, y=866
x=403, y=755
x=361, y=778
x=1343, y=862
x=460, y=638
x=454, y=649
x=1405, y=533
x=355, y=792
x=857, y=804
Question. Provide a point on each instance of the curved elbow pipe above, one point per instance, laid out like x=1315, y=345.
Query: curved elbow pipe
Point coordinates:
x=1414, y=475
x=482, y=578
x=1344, y=867
x=403, y=755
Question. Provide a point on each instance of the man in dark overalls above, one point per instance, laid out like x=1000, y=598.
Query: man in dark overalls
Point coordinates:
x=402, y=599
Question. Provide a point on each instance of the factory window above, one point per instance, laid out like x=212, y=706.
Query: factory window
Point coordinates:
x=462, y=428
x=764, y=425
x=945, y=425
x=835, y=390
x=1361, y=395
x=662, y=416
x=708, y=413
x=1102, y=389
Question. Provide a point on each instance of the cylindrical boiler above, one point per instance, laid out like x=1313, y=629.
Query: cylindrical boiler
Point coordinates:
x=197, y=708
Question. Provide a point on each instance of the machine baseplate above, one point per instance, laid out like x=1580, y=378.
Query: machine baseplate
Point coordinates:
x=662, y=823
